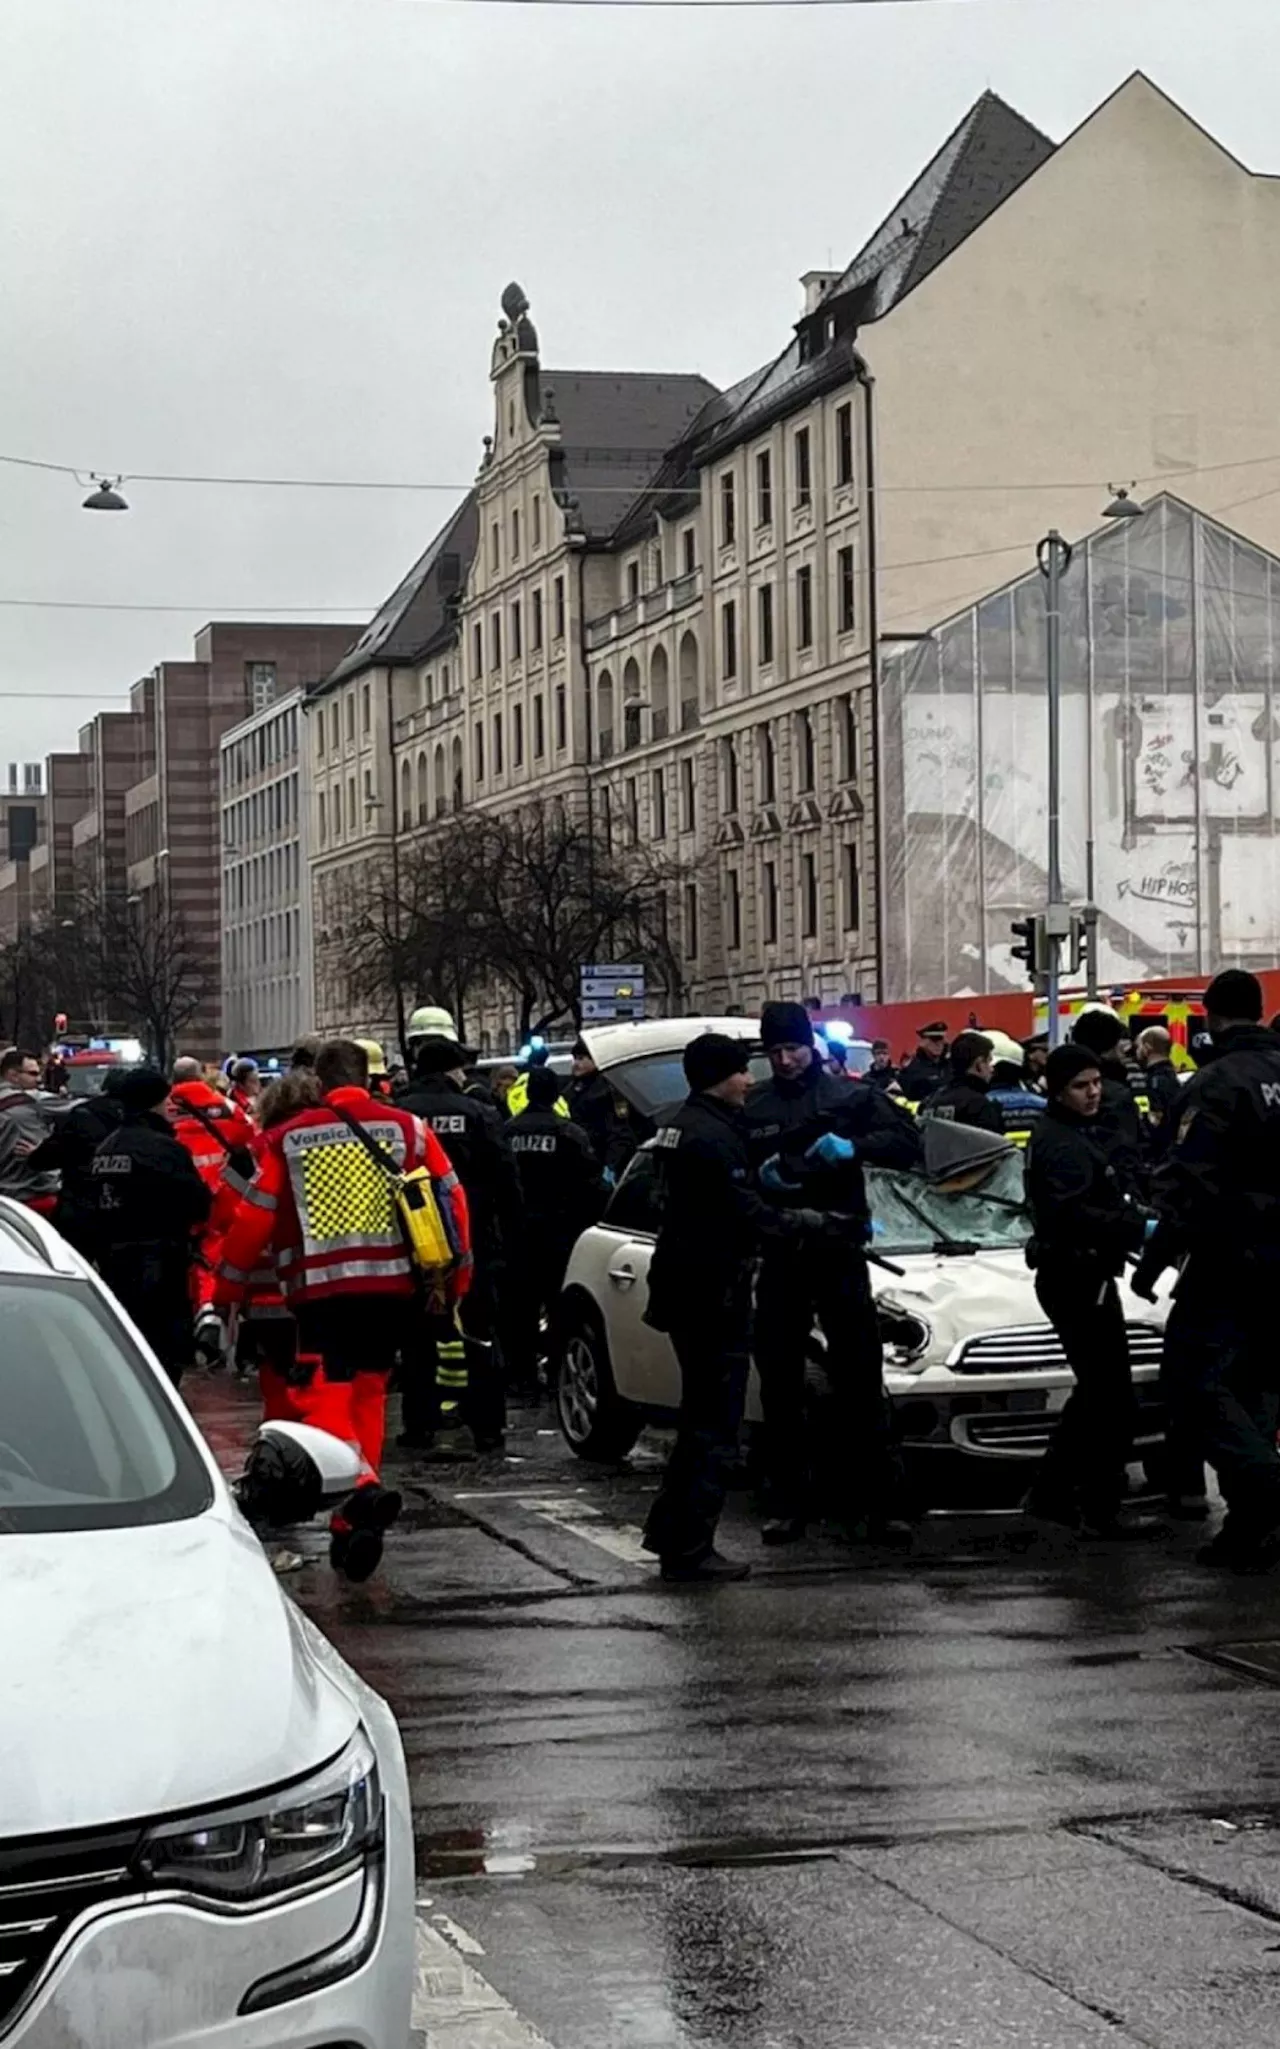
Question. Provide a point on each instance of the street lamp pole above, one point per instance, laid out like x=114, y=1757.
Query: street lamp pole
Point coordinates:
x=1054, y=558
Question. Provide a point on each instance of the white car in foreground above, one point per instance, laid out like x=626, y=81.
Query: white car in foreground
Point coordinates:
x=205, y=1833
x=974, y=1372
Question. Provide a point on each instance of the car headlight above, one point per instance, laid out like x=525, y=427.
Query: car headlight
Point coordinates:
x=244, y=1854
x=905, y=1334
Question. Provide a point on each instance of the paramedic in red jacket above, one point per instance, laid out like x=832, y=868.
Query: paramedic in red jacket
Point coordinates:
x=325, y=1208
x=219, y=1138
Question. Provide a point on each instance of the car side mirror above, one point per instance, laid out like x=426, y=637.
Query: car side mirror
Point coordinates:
x=293, y=1469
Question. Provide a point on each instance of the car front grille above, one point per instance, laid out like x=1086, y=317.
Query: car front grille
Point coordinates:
x=45, y=1884
x=1036, y=1348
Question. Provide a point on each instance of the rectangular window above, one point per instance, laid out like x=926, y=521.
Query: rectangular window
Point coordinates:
x=769, y=901
x=766, y=755
x=633, y=582
x=852, y=889
x=733, y=910
x=803, y=467
x=850, y=763
x=631, y=806
x=366, y=710
x=351, y=803
x=658, y=803
x=729, y=775
x=764, y=488
x=517, y=632
x=844, y=590
x=764, y=623
x=537, y=519
x=804, y=606
x=606, y=816
x=477, y=649
x=539, y=729
x=688, y=796
x=320, y=737
x=261, y=679
x=728, y=510
x=689, y=550
x=805, y=761
x=729, y=640
x=497, y=743
x=536, y=625
x=495, y=640
x=349, y=721
x=844, y=444
x=515, y=534
x=478, y=751
x=495, y=545
x=558, y=608
x=517, y=736
x=809, y=896
x=562, y=719
x=333, y=728
x=691, y=921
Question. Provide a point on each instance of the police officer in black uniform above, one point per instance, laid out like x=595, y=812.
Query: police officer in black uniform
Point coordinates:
x=602, y=1114
x=809, y=1136
x=150, y=1200
x=1161, y=1088
x=964, y=1100
x=71, y=1149
x=700, y=1292
x=1088, y=1216
x=563, y=1192
x=926, y=1071
x=1218, y=1196
x=1102, y=1033
x=473, y=1135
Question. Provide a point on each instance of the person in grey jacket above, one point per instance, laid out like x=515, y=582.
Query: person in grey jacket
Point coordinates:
x=24, y=1129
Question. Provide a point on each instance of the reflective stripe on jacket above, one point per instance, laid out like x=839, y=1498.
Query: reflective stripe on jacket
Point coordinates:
x=326, y=1208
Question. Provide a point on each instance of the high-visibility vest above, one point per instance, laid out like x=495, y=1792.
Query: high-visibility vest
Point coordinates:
x=518, y=1097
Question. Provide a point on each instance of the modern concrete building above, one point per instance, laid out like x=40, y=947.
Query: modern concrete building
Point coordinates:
x=267, y=962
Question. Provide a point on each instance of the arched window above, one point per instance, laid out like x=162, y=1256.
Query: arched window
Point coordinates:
x=631, y=706
x=422, y=787
x=604, y=715
x=659, y=694
x=688, y=681
x=406, y=797
x=439, y=780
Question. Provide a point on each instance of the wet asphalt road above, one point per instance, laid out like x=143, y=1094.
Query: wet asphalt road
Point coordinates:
x=1003, y=1792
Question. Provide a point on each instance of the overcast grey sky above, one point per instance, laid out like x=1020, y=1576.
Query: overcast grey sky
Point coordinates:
x=269, y=237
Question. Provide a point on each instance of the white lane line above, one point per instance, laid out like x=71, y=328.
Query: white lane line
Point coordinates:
x=455, y=2008
x=577, y=1518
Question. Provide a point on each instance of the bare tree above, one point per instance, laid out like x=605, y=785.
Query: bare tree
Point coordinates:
x=417, y=926
x=152, y=975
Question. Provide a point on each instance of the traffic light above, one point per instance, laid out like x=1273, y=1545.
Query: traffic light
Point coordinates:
x=1032, y=950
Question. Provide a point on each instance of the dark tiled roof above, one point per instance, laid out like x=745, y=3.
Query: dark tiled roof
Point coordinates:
x=983, y=161
x=415, y=614
x=616, y=427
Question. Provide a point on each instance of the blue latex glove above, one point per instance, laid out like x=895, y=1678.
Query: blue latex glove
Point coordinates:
x=831, y=1150
x=608, y=1176
x=773, y=1178
x=1149, y=1229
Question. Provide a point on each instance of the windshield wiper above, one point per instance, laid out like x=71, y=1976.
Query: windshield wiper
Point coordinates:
x=942, y=1240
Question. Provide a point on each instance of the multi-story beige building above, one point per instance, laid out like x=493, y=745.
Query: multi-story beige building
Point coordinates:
x=676, y=601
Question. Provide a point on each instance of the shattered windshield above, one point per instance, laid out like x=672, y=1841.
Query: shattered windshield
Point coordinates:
x=910, y=1215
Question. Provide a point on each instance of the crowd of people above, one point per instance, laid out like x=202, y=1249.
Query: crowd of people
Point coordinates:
x=1127, y=1166
x=339, y=1228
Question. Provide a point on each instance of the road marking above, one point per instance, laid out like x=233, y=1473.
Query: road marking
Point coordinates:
x=580, y=1519
x=465, y=1944
x=455, y=2008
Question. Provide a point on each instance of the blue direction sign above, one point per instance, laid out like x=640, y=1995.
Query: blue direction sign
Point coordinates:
x=611, y=990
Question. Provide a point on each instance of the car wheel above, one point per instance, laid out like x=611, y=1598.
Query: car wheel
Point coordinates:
x=596, y=1422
